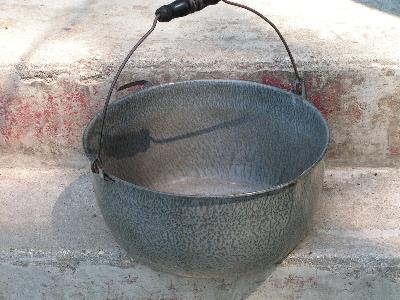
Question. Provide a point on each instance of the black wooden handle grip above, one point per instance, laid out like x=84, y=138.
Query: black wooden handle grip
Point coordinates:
x=181, y=8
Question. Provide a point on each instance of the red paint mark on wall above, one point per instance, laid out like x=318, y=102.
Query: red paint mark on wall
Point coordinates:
x=54, y=120
x=394, y=150
x=326, y=94
x=355, y=111
x=276, y=81
x=48, y=115
x=18, y=121
x=76, y=114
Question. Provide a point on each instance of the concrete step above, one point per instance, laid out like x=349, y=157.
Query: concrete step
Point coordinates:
x=54, y=244
x=57, y=60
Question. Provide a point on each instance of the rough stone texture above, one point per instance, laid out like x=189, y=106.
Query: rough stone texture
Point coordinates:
x=54, y=244
x=57, y=59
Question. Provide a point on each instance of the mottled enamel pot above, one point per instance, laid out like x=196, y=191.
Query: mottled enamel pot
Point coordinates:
x=209, y=177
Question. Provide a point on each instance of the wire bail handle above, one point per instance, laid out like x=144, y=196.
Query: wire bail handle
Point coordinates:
x=166, y=13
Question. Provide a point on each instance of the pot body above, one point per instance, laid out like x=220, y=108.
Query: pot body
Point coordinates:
x=209, y=237
x=210, y=177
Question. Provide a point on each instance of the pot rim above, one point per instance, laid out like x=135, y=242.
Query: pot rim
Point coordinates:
x=271, y=190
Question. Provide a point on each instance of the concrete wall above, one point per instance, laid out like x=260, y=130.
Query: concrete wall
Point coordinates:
x=57, y=59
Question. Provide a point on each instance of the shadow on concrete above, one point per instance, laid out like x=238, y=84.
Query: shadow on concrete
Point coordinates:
x=388, y=6
x=76, y=219
x=78, y=225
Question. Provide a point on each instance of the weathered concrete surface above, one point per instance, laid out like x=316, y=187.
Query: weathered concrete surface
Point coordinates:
x=54, y=244
x=56, y=61
x=109, y=282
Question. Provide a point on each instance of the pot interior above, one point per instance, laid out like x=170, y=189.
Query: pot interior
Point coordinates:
x=210, y=138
